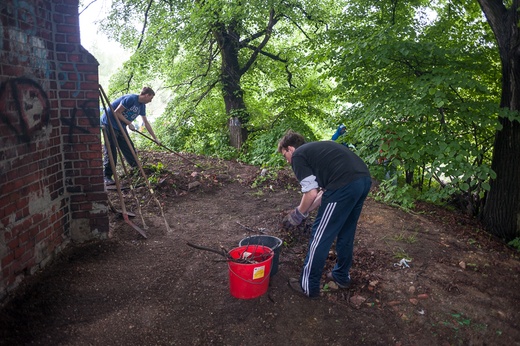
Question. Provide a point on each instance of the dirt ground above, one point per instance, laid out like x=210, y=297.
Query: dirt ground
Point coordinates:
x=461, y=286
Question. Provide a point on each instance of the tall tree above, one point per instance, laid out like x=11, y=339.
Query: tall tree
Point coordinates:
x=502, y=209
x=214, y=44
x=421, y=78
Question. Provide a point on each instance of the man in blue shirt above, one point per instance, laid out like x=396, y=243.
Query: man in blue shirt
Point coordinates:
x=336, y=180
x=126, y=108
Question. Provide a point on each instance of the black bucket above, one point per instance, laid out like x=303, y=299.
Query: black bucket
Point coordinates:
x=271, y=242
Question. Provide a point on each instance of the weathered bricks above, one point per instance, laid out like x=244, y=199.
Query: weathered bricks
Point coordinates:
x=50, y=146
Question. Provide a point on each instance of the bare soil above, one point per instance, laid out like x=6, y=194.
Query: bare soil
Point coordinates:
x=461, y=286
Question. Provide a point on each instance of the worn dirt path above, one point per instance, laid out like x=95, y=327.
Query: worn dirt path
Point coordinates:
x=461, y=287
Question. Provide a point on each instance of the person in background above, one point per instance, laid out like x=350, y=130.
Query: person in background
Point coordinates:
x=126, y=108
x=336, y=180
x=387, y=162
x=340, y=132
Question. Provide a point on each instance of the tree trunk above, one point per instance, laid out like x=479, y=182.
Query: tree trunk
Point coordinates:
x=501, y=213
x=231, y=88
x=237, y=133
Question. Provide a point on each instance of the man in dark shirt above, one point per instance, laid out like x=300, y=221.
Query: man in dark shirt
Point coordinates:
x=337, y=181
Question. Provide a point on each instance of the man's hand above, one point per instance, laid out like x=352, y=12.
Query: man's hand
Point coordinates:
x=131, y=126
x=294, y=218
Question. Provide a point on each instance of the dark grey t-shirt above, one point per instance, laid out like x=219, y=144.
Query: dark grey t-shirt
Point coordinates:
x=333, y=165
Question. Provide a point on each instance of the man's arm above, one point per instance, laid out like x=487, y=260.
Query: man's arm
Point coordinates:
x=149, y=128
x=310, y=201
x=317, y=202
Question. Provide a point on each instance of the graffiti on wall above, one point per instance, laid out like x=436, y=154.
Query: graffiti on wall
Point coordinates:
x=88, y=110
x=25, y=49
x=64, y=78
x=24, y=107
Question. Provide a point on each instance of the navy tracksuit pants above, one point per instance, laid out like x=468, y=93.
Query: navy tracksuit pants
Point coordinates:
x=336, y=220
x=125, y=150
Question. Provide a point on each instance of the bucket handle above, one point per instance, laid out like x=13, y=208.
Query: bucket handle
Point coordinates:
x=249, y=281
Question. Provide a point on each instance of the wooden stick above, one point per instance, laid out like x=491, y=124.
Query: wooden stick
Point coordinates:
x=103, y=95
x=198, y=247
x=118, y=185
x=132, y=190
x=165, y=147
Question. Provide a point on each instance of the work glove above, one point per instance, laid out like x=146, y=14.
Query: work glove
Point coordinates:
x=341, y=128
x=294, y=218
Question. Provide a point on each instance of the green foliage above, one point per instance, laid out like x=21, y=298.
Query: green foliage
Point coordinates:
x=264, y=178
x=263, y=144
x=423, y=92
x=416, y=84
x=515, y=243
x=403, y=197
x=399, y=254
x=190, y=44
x=157, y=168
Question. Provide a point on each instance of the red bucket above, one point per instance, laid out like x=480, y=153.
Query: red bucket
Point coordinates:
x=247, y=281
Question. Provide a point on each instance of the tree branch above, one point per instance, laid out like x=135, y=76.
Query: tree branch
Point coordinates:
x=267, y=54
x=267, y=36
x=144, y=24
x=83, y=10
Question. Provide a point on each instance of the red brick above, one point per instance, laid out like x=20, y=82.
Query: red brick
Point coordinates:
x=72, y=156
x=68, y=103
x=19, y=252
x=93, y=95
x=57, y=18
x=92, y=77
x=67, y=29
x=77, y=58
x=27, y=256
x=61, y=56
x=8, y=259
x=92, y=138
x=89, y=68
x=14, y=197
x=21, y=205
x=24, y=212
x=69, y=85
x=14, y=185
x=80, y=215
x=66, y=67
x=37, y=218
x=97, y=197
x=35, y=186
x=8, y=210
x=10, y=70
x=80, y=164
x=40, y=236
x=72, y=20
x=13, y=244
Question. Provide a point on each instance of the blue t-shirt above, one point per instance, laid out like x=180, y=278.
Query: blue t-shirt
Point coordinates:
x=133, y=108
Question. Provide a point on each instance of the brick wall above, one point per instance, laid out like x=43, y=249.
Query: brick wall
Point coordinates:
x=51, y=185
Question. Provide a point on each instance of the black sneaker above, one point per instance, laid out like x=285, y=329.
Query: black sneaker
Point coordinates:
x=109, y=181
x=331, y=278
x=295, y=285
